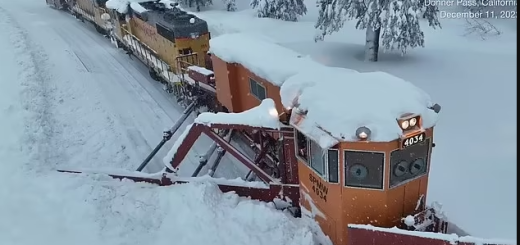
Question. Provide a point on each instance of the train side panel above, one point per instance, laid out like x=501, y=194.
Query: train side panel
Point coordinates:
x=98, y=11
x=239, y=89
x=225, y=81
x=91, y=12
x=146, y=33
x=87, y=7
x=251, y=88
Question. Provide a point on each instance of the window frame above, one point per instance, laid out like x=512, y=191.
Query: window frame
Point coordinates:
x=323, y=157
x=429, y=142
x=327, y=167
x=257, y=84
x=326, y=175
x=297, y=149
x=383, y=171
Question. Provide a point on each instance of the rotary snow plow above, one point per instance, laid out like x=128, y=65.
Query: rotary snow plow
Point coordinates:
x=320, y=139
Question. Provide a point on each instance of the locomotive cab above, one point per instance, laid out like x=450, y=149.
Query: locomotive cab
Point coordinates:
x=358, y=181
x=173, y=35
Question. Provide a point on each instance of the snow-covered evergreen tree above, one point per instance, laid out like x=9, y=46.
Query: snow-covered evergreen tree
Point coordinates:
x=392, y=23
x=195, y=3
x=230, y=5
x=288, y=10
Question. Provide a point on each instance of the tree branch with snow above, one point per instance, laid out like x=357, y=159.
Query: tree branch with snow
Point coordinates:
x=288, y=10
x=392, y=23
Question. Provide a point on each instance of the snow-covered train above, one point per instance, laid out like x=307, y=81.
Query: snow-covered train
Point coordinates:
x=350, y=150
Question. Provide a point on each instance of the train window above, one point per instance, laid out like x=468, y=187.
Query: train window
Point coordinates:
x=257, y=90
x=301, y=146
x=317, y=158
x=185, y=51
x=364, y=169
x=409, y=163
x=333, y=165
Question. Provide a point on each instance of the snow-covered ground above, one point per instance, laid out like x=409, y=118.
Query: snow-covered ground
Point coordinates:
x=70, y=100
x=473, y=171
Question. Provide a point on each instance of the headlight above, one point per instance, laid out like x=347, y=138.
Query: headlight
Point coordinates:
x=405, y=125
x=413, y=122
x=409, y=121
x=363, y=133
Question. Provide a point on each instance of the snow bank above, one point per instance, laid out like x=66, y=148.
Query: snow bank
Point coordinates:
x=353, y=99
x=261, y=56
x=60, y=208
x=264, y=115
x=452, y=238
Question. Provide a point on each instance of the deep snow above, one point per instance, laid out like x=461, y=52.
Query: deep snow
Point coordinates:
x=60, y=107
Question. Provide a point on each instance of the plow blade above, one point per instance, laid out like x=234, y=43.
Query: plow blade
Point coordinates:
x=370, y=235
x=253, y=190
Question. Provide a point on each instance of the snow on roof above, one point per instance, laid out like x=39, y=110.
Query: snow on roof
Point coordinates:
x=452, y=238
x=264, y=115
x=121, y=6
x=261, y=56
x=137, y=7
x=339, y=101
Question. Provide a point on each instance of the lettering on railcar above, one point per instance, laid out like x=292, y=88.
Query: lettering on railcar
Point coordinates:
x=318, y=187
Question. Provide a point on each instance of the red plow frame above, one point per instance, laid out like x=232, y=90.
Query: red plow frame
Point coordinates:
x=286, y=187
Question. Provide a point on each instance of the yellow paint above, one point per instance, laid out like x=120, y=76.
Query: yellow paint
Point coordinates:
x=167, y=50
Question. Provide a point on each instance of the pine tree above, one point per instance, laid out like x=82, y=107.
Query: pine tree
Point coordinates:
x=230, y=5
x=288, y=10
x=195, y=3
x=392, y=23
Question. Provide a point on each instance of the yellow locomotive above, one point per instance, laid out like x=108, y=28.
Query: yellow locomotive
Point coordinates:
x=164, y=37
x=167, y=39
x=85, y=10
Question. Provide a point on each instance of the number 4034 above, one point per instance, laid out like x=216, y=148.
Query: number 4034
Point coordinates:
x=414, y=140
x=322, y=195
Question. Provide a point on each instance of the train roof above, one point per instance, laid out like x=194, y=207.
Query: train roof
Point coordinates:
x=261, y=56
x=171, y=22
x=337, y=101
x=122, y=6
